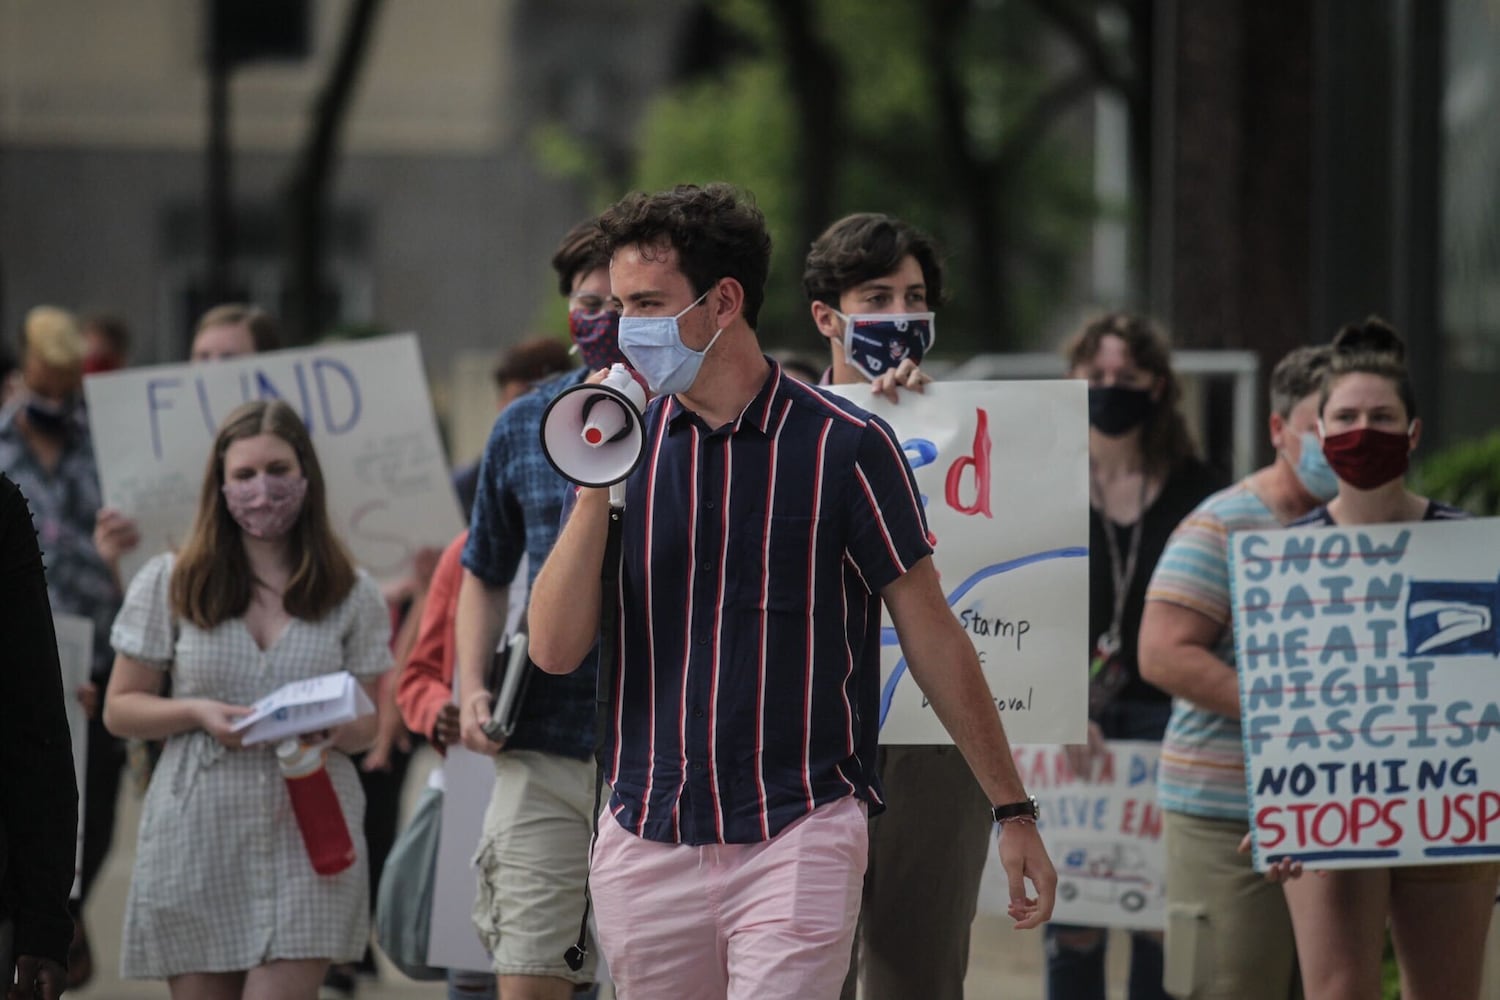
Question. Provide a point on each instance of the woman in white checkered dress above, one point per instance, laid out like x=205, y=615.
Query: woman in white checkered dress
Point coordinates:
x=223, y=900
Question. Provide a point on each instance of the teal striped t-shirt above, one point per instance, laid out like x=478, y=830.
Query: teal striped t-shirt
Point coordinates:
x=1202, y=770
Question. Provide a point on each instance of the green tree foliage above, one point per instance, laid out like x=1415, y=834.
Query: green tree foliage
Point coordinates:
x=952, y=114
x=1466, y=475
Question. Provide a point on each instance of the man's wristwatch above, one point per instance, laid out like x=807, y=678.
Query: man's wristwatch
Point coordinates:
x=1027, y=809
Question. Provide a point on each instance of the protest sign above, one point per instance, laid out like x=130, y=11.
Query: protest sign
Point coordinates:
x=1003, y=472
x=1104, y=836
x=366, y=407
x=1369, y=691
x=468, y=780
x=75, y=657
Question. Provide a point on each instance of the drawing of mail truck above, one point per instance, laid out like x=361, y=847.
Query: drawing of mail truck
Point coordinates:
x=1110, y=874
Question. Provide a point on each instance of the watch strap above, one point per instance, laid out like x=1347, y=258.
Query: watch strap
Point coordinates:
x=1025, y=809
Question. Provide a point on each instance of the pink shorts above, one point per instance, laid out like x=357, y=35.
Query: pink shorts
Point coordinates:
x=766, y=921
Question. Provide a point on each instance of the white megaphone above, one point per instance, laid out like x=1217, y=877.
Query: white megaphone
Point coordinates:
x=592, y=433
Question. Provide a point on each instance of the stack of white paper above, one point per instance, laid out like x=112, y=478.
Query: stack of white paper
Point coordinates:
x=304, y=707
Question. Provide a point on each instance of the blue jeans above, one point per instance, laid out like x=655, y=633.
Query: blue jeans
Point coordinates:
x=1075, y=968
x=1077, y=973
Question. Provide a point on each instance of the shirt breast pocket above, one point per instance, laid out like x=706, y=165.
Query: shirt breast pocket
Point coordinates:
x=778, y=562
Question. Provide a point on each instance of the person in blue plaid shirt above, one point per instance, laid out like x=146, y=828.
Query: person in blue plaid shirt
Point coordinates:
x=533, y=854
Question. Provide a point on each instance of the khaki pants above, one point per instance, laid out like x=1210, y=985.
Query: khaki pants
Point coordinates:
x=1229, y=934
x=533, y=859
x=927, y=852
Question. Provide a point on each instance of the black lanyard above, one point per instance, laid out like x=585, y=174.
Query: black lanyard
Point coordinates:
x=1121, y=571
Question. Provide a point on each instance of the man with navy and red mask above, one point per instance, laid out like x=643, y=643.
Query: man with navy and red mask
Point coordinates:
x=533, y=854
x=873, y=283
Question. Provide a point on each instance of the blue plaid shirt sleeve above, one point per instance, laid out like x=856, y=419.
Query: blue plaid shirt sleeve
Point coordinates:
x=497, y=526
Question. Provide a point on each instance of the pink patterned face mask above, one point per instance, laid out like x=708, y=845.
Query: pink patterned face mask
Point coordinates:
x=265, y=506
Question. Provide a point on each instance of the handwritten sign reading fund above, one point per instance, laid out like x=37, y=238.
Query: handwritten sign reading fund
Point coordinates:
x=365, y=405
x=1003, y=472
x=1370, y=691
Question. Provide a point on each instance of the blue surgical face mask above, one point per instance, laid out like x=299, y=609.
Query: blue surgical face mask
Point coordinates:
x=874, y=343
x=653, y=346
x=1312, y=468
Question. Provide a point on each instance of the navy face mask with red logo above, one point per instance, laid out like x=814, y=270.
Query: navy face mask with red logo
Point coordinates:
x=597, y=336
x=875, y=343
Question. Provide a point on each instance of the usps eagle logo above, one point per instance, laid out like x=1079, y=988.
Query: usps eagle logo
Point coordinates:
x=1453, y=618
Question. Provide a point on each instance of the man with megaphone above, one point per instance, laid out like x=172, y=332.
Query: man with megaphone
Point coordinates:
x=760, y=532
x=533, y=853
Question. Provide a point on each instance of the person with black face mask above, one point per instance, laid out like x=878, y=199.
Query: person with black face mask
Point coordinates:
x=1437, y=915
x=1144, y=477
x=46, y=449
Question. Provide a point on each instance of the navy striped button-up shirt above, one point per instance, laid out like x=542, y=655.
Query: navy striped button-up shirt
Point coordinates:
x=752, y=557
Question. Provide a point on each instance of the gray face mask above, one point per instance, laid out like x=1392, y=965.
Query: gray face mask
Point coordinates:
x=653, y=346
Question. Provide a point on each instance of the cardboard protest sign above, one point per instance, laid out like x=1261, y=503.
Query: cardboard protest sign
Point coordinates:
x=468, y=780
x=1370, y=691
x=1003, y=472
x=1104, y=836
x=366, y=407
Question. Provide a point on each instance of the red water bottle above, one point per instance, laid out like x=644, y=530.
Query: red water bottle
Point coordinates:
x=316, y=806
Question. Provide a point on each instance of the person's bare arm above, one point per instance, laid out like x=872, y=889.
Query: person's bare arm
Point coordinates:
x=565, y=599
x=477, y=625
x=115, y=535
x=1175, y=652
x=135, y=709
x=943, y=663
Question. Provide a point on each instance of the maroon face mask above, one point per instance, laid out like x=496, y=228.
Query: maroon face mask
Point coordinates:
x=1366, y=458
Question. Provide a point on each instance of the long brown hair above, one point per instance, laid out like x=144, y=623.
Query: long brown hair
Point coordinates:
x=1165, y=440
x=212, y=582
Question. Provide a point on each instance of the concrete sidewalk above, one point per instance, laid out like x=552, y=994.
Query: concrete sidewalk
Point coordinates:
x=1003, y=963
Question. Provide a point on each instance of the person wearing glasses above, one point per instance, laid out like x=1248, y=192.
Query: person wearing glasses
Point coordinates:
x=533, y=853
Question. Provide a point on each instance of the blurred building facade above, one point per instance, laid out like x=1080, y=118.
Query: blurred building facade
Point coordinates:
x=440, y=220
x=1309, y=164
x=1316, y=163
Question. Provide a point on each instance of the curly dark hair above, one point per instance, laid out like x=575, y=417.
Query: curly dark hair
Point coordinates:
x=717, y=233
x=578, y=253
x=1370, y=348
x=1165, y=440
x=865, y=246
